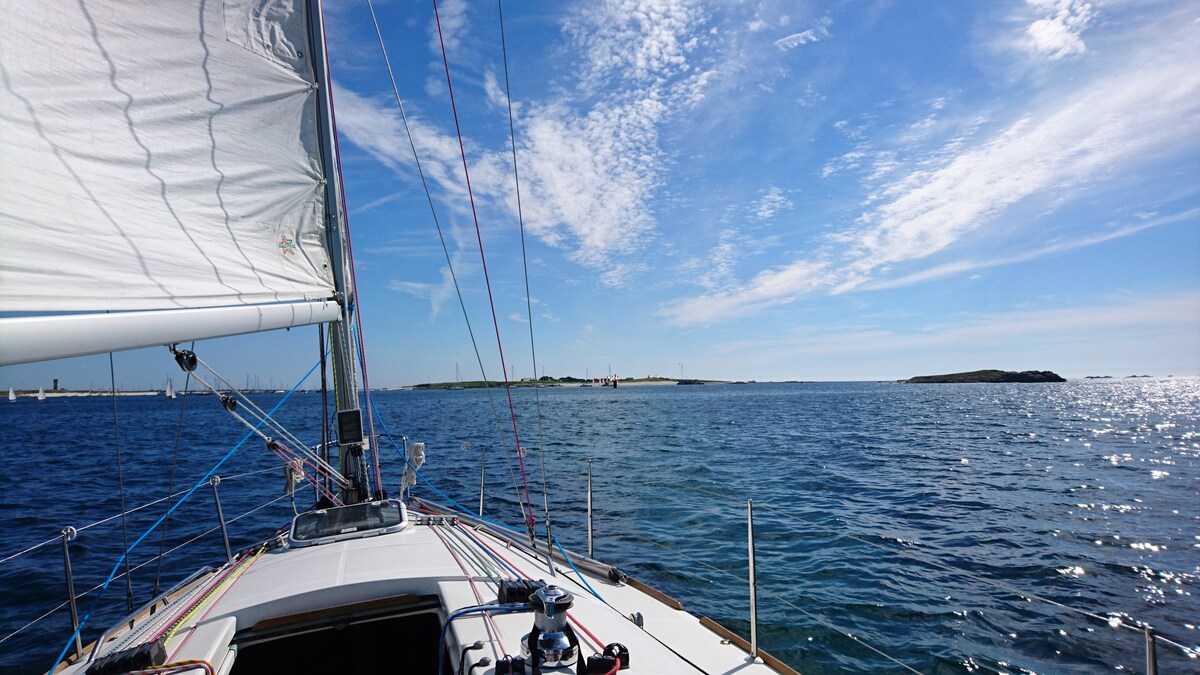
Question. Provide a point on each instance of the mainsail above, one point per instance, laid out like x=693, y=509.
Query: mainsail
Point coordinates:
x=162, y=163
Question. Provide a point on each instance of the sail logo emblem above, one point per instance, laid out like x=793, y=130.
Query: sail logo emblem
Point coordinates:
x=287, y=246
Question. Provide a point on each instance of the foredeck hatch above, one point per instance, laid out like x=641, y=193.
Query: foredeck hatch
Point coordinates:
x=348, y=522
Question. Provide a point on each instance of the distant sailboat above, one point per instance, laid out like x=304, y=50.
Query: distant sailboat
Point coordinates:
x=170, y=390
x=41, y=393
x=12, y=395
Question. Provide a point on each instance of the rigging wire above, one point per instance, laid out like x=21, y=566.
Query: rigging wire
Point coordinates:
x=537, y=397
x=1111, y=620
x=529, y=518
x=112, y=375
x=161, y=555
x=816, y=618
x=128, y=549
x=265, y=419
x=449, y=262
x=353, y=286
x=162, y=543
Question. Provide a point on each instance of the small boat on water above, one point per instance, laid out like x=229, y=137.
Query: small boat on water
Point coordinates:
x=41, y=395
x=12, y=395
x=360, y=582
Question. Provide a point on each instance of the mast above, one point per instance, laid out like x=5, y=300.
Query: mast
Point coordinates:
x=350, y=440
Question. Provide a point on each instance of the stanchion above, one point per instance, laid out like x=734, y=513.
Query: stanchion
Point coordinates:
x=68, y=535
x=214, y=482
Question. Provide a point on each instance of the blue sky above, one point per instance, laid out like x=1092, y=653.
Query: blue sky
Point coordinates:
x=764, y=190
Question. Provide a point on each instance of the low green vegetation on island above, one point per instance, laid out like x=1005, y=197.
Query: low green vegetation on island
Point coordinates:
x=988, y=376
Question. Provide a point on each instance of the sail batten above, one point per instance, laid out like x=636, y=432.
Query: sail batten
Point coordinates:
x=43, y=338
x=159, y=156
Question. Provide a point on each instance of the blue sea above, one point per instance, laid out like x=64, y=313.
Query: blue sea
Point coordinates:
x=988, y=528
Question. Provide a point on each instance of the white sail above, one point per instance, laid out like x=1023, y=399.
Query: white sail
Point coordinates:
x=159, y=156
x=41, y=396
x=12, y=395
x=170, y=392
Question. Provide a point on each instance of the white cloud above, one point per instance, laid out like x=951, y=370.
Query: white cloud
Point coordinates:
x=453, y=21
x=1059, y=31
x=771, y=203
x=962, y=266
x=638, y=41
x=375, y=126
x=589, y=164
x=436, y=294
x=720, y=263
x=495, y=93
x=589, y=179
x=1121, y=119
x=619, y=274
x=590, y=171
x=768, y=288
x=814, y=34
x=1088, y=132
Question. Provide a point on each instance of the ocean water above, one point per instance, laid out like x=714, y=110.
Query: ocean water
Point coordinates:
x=929, y=522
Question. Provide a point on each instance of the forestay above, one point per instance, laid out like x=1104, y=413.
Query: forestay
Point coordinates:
x=159, y=156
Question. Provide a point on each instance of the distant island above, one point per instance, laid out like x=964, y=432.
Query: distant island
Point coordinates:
x=988, y=376
x=567, y=381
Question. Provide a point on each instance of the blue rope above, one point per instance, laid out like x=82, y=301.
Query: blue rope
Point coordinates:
x=577, y=574
x=495, y=609
x=62, y=654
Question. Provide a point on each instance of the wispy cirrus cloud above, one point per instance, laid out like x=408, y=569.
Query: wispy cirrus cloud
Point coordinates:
x=590, y=164
x=768, y=288
x=972, y=264
x=814, y=34
x=1090, y=131
x=375, y=125
x=924, y=201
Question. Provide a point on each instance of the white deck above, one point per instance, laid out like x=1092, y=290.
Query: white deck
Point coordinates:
x=450, y=560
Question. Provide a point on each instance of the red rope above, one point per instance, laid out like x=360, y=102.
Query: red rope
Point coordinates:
x=530, y=520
